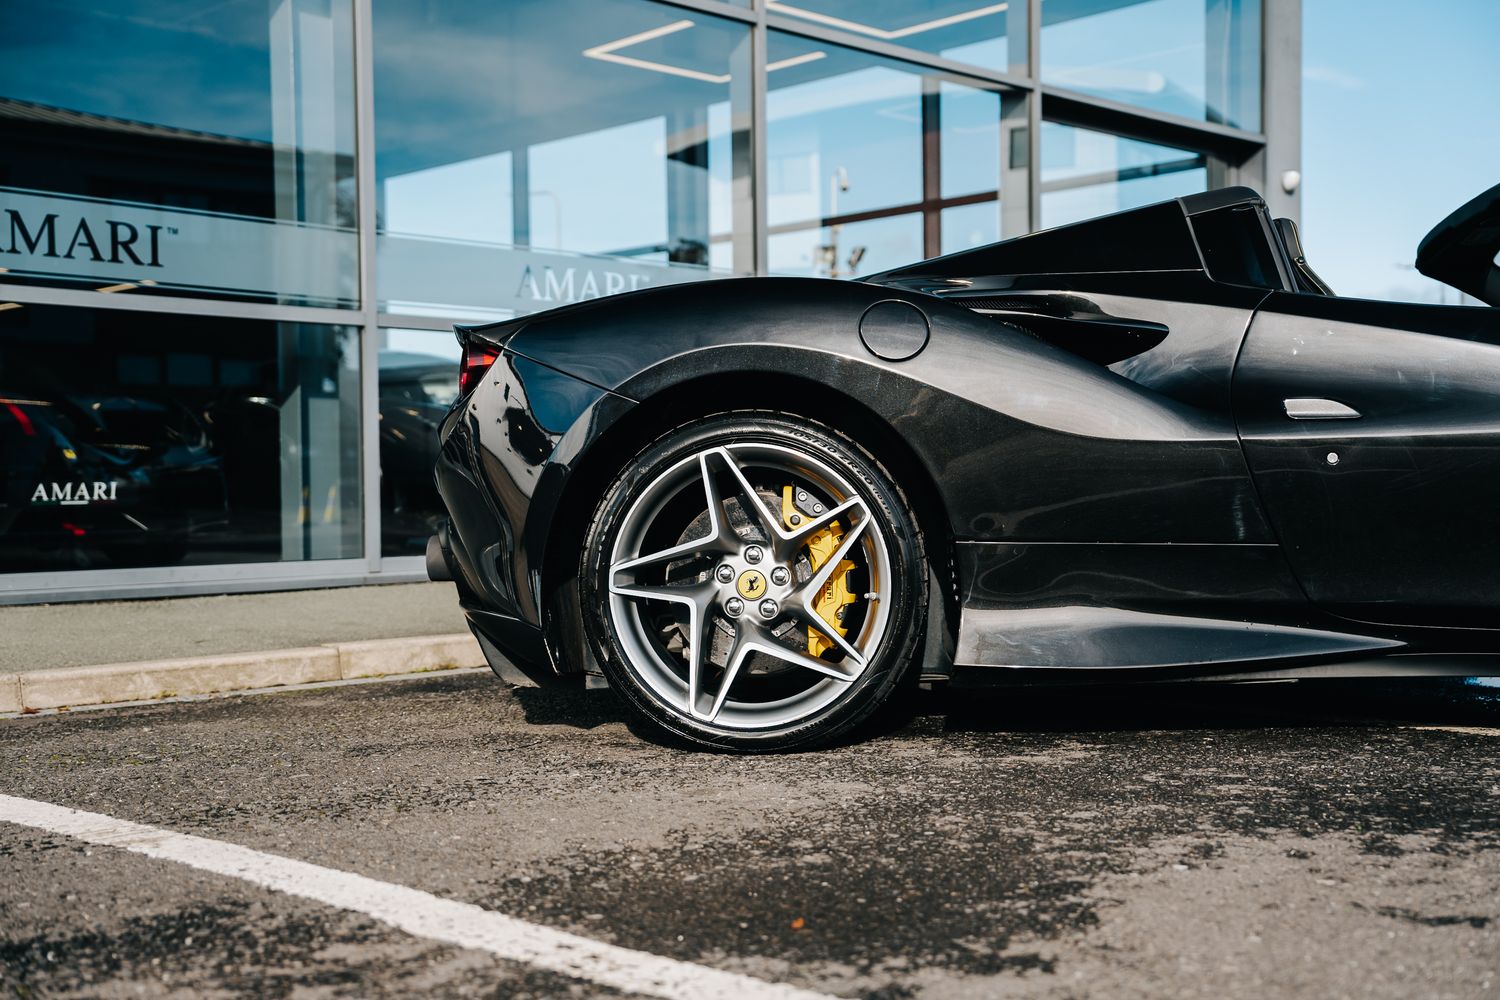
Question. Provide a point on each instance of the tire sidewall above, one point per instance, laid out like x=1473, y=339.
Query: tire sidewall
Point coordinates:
x=898, y=644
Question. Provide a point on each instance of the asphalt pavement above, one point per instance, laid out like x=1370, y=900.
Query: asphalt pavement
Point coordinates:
x=1262, y=841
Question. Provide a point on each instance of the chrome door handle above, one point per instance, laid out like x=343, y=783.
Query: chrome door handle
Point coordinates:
x=1303, y=408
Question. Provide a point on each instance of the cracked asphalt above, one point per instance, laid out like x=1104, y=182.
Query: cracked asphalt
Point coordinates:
x=1320, y=840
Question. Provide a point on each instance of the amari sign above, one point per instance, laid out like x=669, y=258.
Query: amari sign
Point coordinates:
x=62, y=236
x=111, y=242
x=78, y=494
x=463, y=278
x=38, y=238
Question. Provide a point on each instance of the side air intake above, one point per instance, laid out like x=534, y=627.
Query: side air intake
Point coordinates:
x=1072, y=323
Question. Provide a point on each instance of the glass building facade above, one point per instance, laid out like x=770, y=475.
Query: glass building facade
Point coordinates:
x=234, y=237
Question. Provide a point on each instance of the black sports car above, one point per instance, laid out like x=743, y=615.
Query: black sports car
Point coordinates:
x=1151, y=445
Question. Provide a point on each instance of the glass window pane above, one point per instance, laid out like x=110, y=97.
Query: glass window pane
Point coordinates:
x=848, y=250
x=132, y=439
x=543, y=151
x=1196, y=58
x=164, y=145
x=864, y=152
x=1086, y=174
x=418, y=382
x=969, y=226
x=992, y=35
x=969, y=130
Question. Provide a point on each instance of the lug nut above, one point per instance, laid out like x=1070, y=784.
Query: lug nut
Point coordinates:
x=768, y=608
x=779, y=576
x=817, y=508
x=753, y=554
x=734, y=607
x=725, y=573
x=802, y=495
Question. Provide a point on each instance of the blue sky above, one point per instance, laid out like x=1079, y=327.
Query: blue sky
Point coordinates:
x=1400, y=125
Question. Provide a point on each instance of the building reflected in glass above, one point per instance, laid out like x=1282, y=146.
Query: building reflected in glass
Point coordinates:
x=256, y=220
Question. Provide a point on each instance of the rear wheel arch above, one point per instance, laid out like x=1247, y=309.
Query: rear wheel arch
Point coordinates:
x=694, y=399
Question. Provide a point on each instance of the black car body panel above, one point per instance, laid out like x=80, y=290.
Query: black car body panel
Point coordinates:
x=1090, y=422
x=1399, y=529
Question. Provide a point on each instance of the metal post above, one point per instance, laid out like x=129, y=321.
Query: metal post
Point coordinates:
x=1020, y=131
x=746, y=154
x=758, y=141
x=369, y=353
x=1280, y=161
x=932, y=166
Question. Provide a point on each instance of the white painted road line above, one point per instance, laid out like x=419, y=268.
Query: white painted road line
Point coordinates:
x=412, y=910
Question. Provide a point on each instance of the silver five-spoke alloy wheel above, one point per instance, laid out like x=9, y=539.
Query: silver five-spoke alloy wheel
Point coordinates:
x=749, y=586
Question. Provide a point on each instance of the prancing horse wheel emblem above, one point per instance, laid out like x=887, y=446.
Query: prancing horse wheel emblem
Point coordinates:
x=752, y=584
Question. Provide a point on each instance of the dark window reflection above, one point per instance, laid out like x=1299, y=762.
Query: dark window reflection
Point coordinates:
x=206, y=120
x=134, y=439
x=418, y=382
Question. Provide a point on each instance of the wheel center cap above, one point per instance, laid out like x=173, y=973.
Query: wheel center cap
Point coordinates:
x=751, y=584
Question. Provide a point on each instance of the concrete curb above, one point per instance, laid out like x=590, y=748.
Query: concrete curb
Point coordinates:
x=153, y=679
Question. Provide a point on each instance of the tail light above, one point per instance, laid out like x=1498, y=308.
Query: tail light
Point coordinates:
x=477, y=361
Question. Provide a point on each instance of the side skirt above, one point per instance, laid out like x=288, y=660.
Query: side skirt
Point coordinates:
x=1398, y=665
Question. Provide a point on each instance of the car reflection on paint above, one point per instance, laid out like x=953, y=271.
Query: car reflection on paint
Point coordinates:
x=416, y=391
x=107, y=480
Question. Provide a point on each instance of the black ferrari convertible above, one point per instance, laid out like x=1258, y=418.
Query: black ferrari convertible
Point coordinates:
x=1153, y=445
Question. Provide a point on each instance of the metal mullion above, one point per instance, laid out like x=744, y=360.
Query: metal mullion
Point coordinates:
x=42, y=295
x=932, y=167
x=439, y=324
x=1280, y=107
x=1034, y=159
x=250, y=571
x=1124, y=174
x=759, y=142
x=909, y=208
x=1018, y=158
x=1034, y=116
x=369, y=352
x=179, y=581
x=1034, y=41
x=1100, y=114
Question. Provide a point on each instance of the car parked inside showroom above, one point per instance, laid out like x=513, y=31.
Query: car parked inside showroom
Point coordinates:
x=109, y=478
x=1150, y=446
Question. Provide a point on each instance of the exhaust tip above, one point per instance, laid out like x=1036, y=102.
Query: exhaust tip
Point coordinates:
x=437, y=560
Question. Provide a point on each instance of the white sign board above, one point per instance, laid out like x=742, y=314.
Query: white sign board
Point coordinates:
x=111, y=242
x=64, y=236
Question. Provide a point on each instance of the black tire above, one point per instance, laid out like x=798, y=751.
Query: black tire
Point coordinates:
x=894, y=653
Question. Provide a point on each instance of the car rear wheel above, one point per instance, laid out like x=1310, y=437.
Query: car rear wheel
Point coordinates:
x=755, y=582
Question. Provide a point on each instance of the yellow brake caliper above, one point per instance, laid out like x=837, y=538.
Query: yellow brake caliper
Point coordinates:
x=835, y=595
